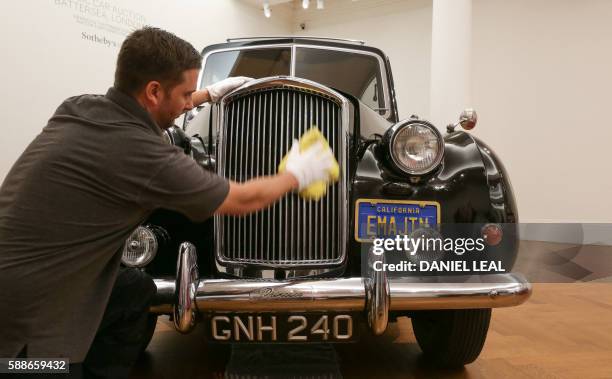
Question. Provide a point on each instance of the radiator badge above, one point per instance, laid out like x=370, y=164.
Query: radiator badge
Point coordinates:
x=275, y=293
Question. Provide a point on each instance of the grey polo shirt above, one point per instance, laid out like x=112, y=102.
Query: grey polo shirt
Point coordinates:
x=93, y=174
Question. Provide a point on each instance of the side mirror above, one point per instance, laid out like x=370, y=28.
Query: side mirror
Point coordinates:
x=467, y=120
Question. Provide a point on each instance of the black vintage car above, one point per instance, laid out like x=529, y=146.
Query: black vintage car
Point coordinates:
x=306, y=271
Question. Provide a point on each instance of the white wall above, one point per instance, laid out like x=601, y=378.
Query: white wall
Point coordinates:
x=45, y=58
x=541, y=80
x=451, y=53
x=402, y=29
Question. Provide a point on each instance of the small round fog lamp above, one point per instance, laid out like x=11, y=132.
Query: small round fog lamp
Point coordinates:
x=140, y=248
x=430, y=245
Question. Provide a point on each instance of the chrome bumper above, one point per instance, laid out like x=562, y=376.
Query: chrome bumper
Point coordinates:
x=376, y=295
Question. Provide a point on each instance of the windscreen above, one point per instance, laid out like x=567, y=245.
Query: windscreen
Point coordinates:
x=254, y=63
x=353, y=73
x=357, y=74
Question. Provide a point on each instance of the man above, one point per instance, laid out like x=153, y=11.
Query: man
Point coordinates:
x=96, y=171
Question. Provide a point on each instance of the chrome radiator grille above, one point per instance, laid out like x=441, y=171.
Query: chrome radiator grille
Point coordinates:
x=257, y=130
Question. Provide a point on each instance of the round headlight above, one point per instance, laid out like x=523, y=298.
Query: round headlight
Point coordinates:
x=416, y=147
x=140, y=248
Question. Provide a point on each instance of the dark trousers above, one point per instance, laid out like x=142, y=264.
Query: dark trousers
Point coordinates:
x=123, y=332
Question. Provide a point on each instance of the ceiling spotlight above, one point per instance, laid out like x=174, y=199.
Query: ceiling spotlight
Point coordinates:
x=305, y=4
x=267, y=11
x=320, y=4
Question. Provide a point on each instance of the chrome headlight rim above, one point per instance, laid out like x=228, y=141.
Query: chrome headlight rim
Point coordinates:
x=394, y=132
x=149, y=255
x=176, y=136
x=167, y=137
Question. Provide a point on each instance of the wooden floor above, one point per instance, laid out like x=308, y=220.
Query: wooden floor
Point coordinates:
x=563, y=331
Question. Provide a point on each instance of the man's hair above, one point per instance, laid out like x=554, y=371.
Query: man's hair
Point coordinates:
x=149, y=54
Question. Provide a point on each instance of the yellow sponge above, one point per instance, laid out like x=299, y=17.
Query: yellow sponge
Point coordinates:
x=316, y=190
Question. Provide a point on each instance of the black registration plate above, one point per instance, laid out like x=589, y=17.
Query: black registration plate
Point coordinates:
x=282, y=327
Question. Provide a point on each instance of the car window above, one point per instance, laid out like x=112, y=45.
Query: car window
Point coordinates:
x=353, y=73
x=370, y=95
x=254, y=63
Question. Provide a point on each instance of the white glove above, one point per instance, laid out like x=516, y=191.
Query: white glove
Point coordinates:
x=310, y=165
x=219, y=89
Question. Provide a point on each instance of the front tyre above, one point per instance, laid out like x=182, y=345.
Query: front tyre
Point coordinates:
x=451, y=338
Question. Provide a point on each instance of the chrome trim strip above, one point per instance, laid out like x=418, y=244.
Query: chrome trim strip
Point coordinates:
x=327, y=198
x=269, y=160
x=275, y=160
x=248, y=169
x=257, y=167
x=333, y=189
x=311, y=254
x=236, y=222
x=221, y=158
x=283, y=201
x=293, y=202
x=301, y=212
x=292, y=67
x=265, y=38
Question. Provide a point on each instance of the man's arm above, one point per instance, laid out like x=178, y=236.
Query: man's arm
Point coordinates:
x=256, y=194
x=217, y=90
x=200, y=97
x=302, y=169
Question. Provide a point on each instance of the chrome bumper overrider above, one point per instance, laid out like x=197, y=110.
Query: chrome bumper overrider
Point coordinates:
x=376, y=295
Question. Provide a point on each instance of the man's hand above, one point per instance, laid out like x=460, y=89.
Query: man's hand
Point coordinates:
x=302, y=169
x=217, y=90
x=311, y=165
